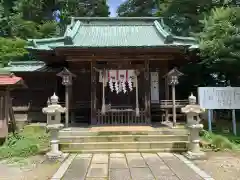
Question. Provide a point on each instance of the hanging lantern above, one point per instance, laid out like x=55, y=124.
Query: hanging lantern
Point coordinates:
x=66, y=76
x=173, y=76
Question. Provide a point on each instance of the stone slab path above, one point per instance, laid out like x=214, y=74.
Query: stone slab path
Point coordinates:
x=129, y=166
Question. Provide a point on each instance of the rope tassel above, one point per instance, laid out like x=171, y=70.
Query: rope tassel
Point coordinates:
x=117, y=87
x=111, y=85
x=124, y=86
x=130, y=84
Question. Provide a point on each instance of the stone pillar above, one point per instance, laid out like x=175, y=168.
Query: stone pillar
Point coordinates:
x=54, y=152
x=192, y=112
x=53, y=112
x=194, y=151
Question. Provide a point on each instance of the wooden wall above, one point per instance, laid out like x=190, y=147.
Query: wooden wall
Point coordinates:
x=40, y=86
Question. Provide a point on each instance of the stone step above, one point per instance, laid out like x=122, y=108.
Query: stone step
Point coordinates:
x=122, y=138
x=124, y=150
x=124, y=145
x=107, y=133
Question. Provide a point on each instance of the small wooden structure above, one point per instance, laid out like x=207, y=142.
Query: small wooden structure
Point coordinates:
x=119, y=64
x=8, y=82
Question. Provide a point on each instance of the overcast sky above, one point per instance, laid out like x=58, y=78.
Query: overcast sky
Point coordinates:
x=113, y=5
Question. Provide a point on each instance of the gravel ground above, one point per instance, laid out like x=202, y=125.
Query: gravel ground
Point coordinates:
x=221, y=165
x=32, y=168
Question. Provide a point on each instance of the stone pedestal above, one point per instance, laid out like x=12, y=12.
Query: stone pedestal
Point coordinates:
x=194, y=150
x=54, y=129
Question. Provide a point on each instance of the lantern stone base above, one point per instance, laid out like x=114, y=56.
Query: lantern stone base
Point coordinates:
x=54, y=155
x=195, y=155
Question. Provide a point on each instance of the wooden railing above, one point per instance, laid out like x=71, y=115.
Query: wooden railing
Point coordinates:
x=121, y=116
x=169, y=104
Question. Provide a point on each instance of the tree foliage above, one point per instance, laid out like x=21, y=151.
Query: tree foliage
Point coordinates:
x=23, y=19
x=11, y=49
x=220, y=41
x=136, y=8
x=183, y=16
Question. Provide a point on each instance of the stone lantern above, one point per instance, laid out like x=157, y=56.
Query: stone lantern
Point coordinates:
x=192, y=111
x=53, y=112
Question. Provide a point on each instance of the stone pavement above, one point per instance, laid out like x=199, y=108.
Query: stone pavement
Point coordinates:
x=129, y=166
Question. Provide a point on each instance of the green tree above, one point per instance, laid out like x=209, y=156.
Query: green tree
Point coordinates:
x=136, y=8
x=11, y=49
x=220, y=42
x=23, y=19
x=183, y=16
x=84, y=8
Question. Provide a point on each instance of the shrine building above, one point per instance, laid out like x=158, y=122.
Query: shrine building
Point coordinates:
x=118, y=67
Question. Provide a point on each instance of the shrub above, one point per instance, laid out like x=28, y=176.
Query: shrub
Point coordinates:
x=31, y=141
x=222, y=142
x=219, y=142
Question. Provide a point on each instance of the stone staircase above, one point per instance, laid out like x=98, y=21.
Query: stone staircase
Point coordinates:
x=157, y=140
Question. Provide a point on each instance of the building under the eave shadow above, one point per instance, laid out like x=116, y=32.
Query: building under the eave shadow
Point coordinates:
x=118, y=49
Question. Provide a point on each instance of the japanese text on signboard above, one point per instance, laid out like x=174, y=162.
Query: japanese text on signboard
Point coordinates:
x=219, y=97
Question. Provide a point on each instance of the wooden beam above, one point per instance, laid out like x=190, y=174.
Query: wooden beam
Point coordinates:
x=106, y=58
x=93, y=93
x=119, y=66
x=119, y=57
x=117, y=50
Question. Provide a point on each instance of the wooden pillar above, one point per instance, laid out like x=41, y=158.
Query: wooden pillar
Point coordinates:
x=167, y=97
x=93, y=94
x=4, y=114
x=67, y=106
x=71, y=105
x=2, y=102
x=147, y=91
x=7, y=105
x=174, y=106
x=166, y=93
x=7, y=96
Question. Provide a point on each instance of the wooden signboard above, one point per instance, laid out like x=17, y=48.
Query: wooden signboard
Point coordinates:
x=219, y=97
x=154, y=87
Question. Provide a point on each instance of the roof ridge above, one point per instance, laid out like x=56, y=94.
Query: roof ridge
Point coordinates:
x=71, y=32
x=115, y=18
x=169, y=38
x=26, y=63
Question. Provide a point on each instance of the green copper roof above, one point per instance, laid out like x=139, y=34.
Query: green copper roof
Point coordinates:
x=114, y=32
x=23, y=66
